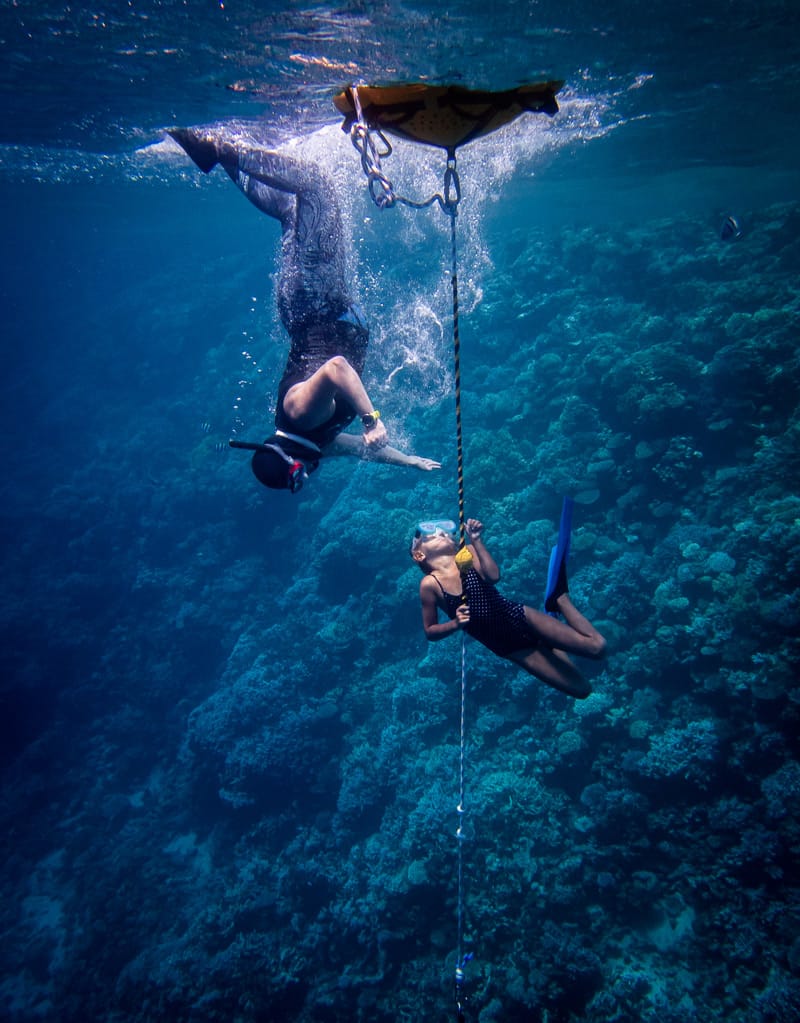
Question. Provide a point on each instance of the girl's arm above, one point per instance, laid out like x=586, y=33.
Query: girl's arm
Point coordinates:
x=434, y=629
x=484, y=562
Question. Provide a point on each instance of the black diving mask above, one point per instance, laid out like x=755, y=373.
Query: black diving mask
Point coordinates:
x=288, y=474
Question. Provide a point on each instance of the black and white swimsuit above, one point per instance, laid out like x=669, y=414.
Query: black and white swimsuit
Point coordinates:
x=500, y=624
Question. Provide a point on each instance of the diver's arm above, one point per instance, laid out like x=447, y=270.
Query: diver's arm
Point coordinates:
x=308, y=403
x=392, y=456
x=349, y=444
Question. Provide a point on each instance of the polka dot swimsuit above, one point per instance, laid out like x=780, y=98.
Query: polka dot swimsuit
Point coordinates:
x=495, y=621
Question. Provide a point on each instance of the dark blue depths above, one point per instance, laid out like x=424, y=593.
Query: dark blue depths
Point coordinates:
x=230, y=760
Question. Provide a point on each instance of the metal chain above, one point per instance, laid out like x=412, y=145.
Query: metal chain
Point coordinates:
x=380, y=187
x=362, y=139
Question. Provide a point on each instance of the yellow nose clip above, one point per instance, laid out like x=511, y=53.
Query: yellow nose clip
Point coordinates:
x=464, y=561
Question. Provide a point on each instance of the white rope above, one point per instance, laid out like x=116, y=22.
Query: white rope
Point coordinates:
x=461, y=810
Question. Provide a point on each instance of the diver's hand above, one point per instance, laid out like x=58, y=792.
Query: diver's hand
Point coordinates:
x=462, y=615
x=426, y=464
x=474, y=529
x=376, y=437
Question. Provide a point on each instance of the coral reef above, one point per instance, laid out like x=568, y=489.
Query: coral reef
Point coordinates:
x=230, y=772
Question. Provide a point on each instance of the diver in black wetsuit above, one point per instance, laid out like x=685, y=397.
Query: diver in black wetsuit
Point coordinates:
x=321, y=391
x=535, y=641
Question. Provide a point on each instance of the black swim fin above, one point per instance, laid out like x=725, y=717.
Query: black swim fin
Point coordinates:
x=200, y=148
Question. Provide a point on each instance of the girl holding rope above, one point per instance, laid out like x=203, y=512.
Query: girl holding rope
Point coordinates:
x=536, y=641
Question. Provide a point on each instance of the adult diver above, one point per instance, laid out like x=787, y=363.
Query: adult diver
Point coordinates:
x=321, y=391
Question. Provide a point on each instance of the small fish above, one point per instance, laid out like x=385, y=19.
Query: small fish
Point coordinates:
x=220, y=447
x=205, y=427
x=730, y=229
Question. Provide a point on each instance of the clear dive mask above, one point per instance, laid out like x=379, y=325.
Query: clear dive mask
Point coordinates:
x=433, y=526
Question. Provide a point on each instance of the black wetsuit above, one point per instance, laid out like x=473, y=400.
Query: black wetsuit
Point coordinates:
x=314, y=300
x=311, y=348
x=500, y=624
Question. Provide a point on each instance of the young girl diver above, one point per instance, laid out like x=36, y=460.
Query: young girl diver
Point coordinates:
x=536, y=641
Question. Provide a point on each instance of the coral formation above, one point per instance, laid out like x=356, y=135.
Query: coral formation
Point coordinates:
x=231, y=770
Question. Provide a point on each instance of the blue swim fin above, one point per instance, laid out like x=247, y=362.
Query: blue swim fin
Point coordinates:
x=557, y=569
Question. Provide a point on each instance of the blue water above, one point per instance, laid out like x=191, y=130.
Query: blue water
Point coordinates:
x=230, y=758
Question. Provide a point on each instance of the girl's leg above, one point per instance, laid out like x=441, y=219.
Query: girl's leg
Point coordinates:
x=577, y=635
x=555, y=669
x=549, y=661
x=279, y=205
x=209, y=147
x=319, y=222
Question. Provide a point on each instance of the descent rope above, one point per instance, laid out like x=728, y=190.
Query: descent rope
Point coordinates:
x=384, y=196
x=461, y=958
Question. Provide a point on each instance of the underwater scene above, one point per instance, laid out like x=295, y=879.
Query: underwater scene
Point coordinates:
x=239, y=783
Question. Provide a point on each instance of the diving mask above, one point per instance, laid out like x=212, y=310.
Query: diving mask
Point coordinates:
x=296, y=474
x=433, y=526
x=273, y=467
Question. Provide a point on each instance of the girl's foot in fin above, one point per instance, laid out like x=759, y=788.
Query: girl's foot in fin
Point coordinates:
x=561, y=587
x=557, y=569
